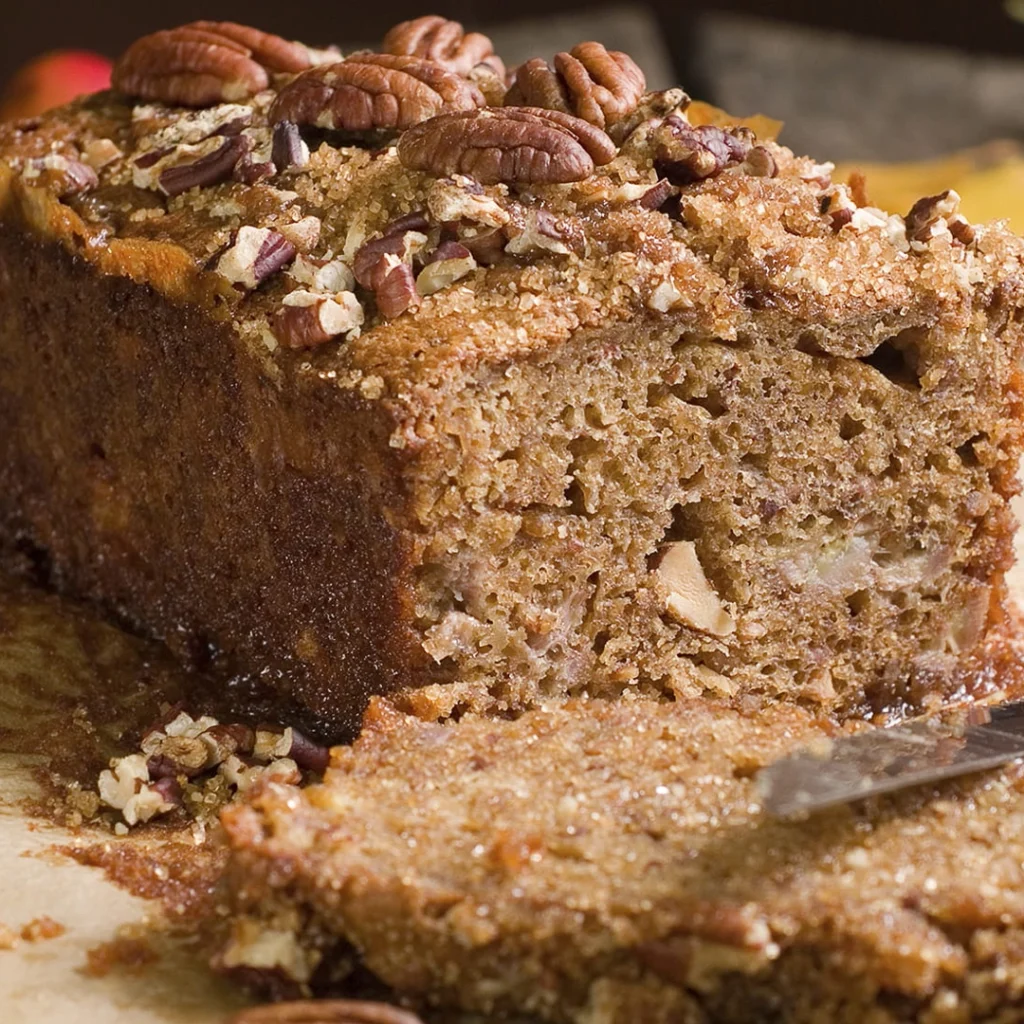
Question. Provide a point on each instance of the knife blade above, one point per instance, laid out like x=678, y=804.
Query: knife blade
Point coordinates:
x=884, y=760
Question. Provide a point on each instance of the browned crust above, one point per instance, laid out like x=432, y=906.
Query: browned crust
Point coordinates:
x=191, y=494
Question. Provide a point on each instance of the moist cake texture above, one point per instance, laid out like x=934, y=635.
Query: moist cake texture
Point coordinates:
x=346, y=373
x=607, y=862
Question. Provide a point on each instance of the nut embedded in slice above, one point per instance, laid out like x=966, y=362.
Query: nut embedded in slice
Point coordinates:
x=289, y=150
x=100, y=152
x=690, y=598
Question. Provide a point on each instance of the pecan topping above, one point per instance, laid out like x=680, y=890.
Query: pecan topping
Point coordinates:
x=288, y=151
x=273, y=52
x=383, y=264
x=486, y=247
x=522, y=145
x=207, y=170
x=760, y=163
x=373, y=91
x=328, y=1011
x=536, y=231
x=62, y=175
x=254, y=254
x=444, y=42
x=657, y=195
x=448, y=263
x=401, y=244
x=204, y=62
x=685, y=154
x=394, y=287
x=935, y=216
x=305, y=320
x=596, y=84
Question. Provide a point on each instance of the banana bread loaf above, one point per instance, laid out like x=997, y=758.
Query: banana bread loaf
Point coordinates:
x=607, y=862
x=348, y=373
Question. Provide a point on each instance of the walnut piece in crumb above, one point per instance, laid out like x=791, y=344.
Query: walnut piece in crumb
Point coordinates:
x=8, y=938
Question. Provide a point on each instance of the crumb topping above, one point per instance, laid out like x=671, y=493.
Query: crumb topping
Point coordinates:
x=490, y=222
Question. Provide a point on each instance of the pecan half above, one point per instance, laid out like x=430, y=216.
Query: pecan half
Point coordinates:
x=327, y=1011
x=685, y=154
x=203, y=63
x=444, y=42
x=373, y=91
x=596, y=84
x=521, y=145
x=273, y=52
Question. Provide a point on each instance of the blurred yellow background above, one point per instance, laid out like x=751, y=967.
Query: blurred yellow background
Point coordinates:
x=989, y=178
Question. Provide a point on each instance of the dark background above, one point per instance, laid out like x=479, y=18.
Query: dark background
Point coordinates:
x=30, y=28
x=885, y=79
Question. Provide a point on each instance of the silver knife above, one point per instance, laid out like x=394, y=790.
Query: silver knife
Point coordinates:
x=884, y=760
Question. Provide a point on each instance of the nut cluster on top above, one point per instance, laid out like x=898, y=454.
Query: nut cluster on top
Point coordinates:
x=431, y=76
x=483, y=138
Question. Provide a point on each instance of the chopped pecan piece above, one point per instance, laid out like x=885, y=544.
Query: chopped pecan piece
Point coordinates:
x=394, y=287
x=448, y=263
x=328, y=1011
x=444, y=42
x=373, y=91
x=305, y=320
x=327, y=276
x=274, y=743
x=760, y=163
x=100, y=152
x=596, y=84
x=402, y=243
x=462, y=198
x=254, y=254
x=537, y=231
x=204, y=62
x=207, y=170
x=653, y=106
x=303, y=233
x=522, y=145
x=934, y=216
x=288, y=150
x=838, y=206
x=685, y=154
x=62, y=175
x=657, y=195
